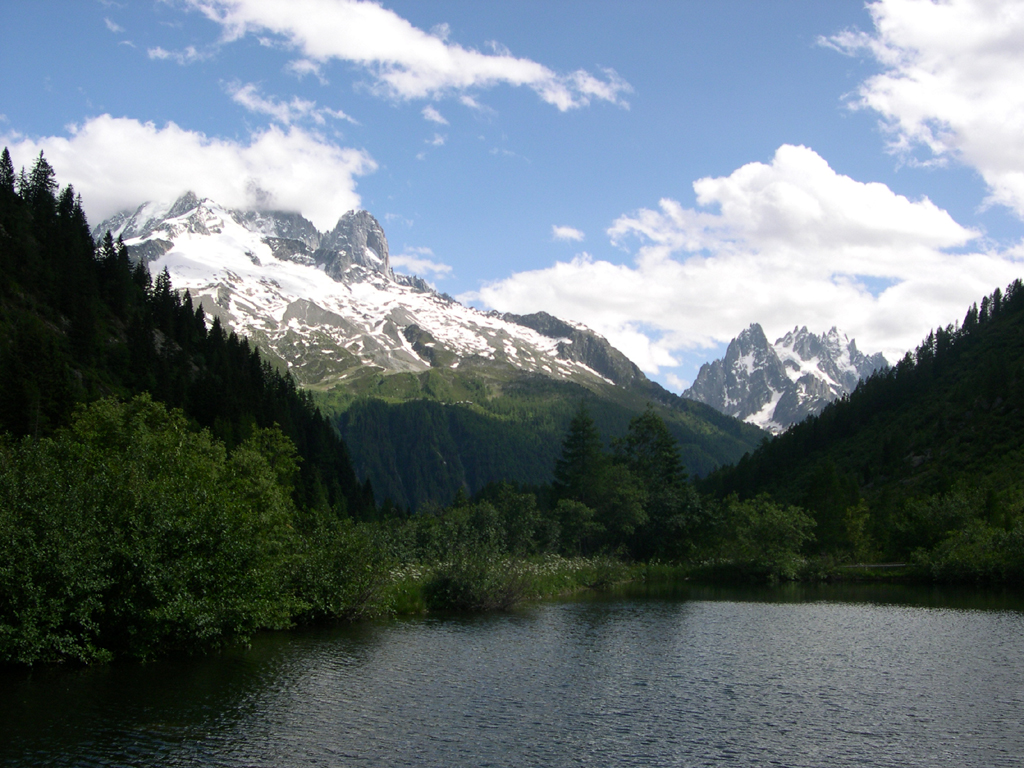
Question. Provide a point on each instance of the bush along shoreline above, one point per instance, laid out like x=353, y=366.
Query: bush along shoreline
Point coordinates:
x=133, y=534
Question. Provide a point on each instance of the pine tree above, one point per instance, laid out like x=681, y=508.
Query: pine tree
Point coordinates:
x=42, y=181
x=6, y=172
x=652, y=454
x=579, y=470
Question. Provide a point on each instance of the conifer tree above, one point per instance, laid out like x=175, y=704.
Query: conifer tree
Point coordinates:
x=651, y=454
x=42, y=181
x=579, y=470
x=6, y=172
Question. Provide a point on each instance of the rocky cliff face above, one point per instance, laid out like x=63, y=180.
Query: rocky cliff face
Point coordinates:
x=777, y=385
x=355, y=249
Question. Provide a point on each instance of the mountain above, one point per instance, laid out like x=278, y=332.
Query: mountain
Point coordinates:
x=777, y=385
x=328, y=306
x=431, y=395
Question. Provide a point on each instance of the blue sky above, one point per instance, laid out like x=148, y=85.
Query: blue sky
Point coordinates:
x=665, y=172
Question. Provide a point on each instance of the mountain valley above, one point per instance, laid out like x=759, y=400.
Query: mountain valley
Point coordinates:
x=378, y=347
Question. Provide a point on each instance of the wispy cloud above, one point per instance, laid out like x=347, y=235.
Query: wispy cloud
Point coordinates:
x=566, y=233
x=403, y=61
x=438, y=140
x=188, y=56
x=431, y=114
x=791, y=242
x=285, y=112
x=113, y=26
x=419, y=261
x=303, y=67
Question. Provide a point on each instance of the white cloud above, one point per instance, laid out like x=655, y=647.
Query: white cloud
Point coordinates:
x=677, y=383
x=792, y=242
x=431, y=114
x=404, y=61
x=302, y=67
x=297, y=109
x=951, y=84
x=118, y=163
x=566, y=233
x=469, y=101
x=437, y=141
x=113, y=26
x=415, y=261
x=189, y=56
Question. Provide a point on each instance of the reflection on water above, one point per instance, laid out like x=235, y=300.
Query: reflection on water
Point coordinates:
x=796, y=677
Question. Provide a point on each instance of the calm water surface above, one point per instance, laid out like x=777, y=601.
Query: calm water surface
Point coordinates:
x=826, y=677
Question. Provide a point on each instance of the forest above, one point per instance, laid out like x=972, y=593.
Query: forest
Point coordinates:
x=164, y=490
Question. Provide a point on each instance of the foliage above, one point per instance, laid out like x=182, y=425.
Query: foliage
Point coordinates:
x=977, y=552
x=340, y=568
x=130, y=534
x=474, y=582
x=763, y=539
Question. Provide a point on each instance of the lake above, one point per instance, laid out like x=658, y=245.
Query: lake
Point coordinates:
x=791, y=676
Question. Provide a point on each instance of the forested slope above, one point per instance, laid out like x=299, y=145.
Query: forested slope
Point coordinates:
x=420, y=438
x=945, y=423
x=79, y=322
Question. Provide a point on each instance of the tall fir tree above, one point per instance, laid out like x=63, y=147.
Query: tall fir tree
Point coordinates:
x=6, y=172
x=579, y=470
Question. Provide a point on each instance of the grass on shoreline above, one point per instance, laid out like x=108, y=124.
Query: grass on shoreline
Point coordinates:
x=498, y=583
x=477, y=583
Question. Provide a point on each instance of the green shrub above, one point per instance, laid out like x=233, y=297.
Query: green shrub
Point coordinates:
x=131, y=534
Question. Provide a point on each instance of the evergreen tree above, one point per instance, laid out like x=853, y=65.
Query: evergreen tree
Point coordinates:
x=42, y=181
x=651, y=454
x=6, y=172
x=580, y=469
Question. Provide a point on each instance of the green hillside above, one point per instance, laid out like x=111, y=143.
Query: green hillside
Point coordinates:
x=419, y=438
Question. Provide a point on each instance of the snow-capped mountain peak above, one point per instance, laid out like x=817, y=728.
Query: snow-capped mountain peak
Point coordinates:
x=329, y=306
x=777, y=385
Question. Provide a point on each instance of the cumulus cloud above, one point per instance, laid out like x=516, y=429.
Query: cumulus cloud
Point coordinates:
x=118, y=163
x=431, y=114
x=566, y=233
x=404, y=61
x=419, y=261
x=950, y=85
x=285, y=112
x=791, y=242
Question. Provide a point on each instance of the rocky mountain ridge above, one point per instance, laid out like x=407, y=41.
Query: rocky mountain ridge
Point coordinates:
x=777, y=385
x=328, y=306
